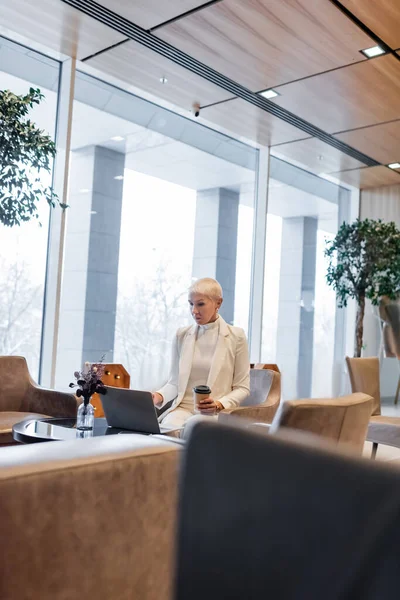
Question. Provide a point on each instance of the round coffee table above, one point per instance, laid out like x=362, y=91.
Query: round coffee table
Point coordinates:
x=54, y=429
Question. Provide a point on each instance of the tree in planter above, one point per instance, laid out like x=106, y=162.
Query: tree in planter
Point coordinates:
x=25, y=151
x=364, y=262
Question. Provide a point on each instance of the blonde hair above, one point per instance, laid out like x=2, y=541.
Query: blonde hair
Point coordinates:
x=207, y=287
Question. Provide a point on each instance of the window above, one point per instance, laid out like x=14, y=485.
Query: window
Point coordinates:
x=299, y=306
x=23, y=249
x=156, y=201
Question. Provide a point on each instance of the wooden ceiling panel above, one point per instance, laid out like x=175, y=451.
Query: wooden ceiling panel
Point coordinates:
x=266, y=43
x=247, y=121
x=369, y=177
x=381, y=142
x=316, y=155
x=144, y=68
x=381, y=16
x=363, y=94
x=58, y=26
x=149, y=13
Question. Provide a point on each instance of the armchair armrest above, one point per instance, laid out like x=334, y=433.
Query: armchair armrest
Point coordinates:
x=262, y=413
x=52, y=402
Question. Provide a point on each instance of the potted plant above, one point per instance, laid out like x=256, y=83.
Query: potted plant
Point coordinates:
x=25, y=152
x=364, y=263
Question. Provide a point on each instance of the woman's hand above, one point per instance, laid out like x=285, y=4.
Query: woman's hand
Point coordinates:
x=210, y=406
x=157, y=399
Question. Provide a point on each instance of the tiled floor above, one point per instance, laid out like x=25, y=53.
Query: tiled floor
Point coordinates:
x=386, y=452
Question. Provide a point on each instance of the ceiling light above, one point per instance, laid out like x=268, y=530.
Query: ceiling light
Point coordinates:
x=117, y=138
x=374, y=51
x=268, y=94
x=84, y=190
x=394, y=166
x=119, y=177
x=163, y=80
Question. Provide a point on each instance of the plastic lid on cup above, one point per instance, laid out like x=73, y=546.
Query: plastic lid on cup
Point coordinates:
x=202, y=389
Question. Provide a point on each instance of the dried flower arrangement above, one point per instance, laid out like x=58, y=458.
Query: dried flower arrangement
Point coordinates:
x=88, y=381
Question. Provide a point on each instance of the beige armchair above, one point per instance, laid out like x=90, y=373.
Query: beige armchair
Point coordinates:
x=264, y=399
x=21, y=398
x=93, y=518
x=364, y=377
x=342, y=420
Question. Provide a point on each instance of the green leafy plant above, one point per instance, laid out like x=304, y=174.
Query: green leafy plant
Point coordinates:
x=364, y=262
x=25, y=151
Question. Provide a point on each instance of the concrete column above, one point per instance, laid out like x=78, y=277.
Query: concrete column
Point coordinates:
x=215, y=243
x=89, y=294
x=296, y=305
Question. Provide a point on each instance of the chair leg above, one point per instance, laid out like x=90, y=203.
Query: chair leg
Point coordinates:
x=374, y=449
x=396, y=398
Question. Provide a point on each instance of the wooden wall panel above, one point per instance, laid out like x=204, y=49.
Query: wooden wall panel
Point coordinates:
x=58, y=26
x=363, y=94
x=266, y=43
x=381, y=142
x=241, y=119
x=369, y=177
x=381, y=16
x=149, y=13
x=314, y=154
x=143, y=68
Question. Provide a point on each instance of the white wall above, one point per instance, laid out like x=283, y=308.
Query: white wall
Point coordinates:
x=380, y=203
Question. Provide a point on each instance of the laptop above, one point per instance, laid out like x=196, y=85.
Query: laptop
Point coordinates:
x=132, y=410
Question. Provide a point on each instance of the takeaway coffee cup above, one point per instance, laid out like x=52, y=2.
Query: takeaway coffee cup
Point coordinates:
x=200, y=392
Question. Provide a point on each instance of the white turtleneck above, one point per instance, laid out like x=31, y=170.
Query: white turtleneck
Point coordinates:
x=203, y=354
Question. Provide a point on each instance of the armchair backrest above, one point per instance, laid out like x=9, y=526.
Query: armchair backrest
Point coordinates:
x=15, y=381
x=364, y=378
x=343, y=420
x=97, y=515
x=263, y=384
x=273, y=519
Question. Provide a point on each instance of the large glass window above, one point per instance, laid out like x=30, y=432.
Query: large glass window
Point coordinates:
x=156, y=201
x=299, y=307
x=23, y=249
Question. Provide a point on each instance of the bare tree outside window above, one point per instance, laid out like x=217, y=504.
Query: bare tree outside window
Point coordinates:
x=147, y=320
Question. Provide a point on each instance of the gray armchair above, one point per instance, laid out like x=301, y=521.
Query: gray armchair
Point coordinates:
x=264, y=399
x=21, y=398
x=263, y=518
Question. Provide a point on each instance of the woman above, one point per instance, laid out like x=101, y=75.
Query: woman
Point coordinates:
x=209, y=353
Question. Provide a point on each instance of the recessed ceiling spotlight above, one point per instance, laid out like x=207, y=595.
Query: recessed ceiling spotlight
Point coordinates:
x=268, y=94
x=84, y=190
x=117, y=138
x=394, y=166
x=163, y=80
x=374, y=51
x=119, y=177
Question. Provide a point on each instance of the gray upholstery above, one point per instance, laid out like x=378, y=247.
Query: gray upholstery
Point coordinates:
x=260, y=385
x=264, y=518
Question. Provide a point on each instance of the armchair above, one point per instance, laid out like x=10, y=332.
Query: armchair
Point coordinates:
x=364, y=377
x=343, y=421
x=21, y=398
x=264, y=399
x=278, y=519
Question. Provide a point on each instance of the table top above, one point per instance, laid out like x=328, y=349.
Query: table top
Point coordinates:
x=54, y=429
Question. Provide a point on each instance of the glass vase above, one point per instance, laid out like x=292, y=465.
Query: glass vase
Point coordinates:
x=85, y=417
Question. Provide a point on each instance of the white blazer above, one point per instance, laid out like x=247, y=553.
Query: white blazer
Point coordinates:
x=229, y=378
